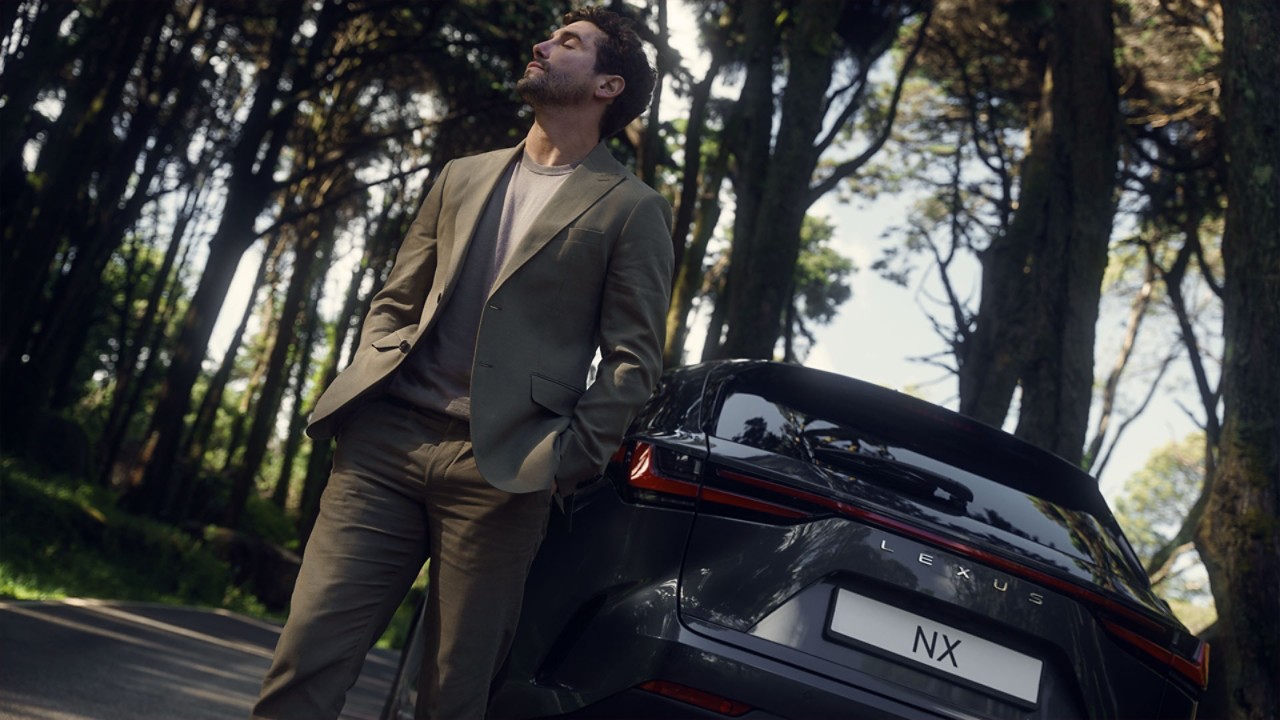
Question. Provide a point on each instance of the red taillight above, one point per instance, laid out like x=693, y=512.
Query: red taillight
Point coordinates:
x=699, y=698
x=1195, y=669
x=644, y=474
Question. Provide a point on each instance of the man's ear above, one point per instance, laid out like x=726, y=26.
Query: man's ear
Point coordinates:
x=610, y=87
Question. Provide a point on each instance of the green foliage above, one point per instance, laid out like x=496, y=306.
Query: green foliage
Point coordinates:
x=263, y=519
x=822, y=273
x=1158, y=496
x=1197, y=616
x=820, y=283
x=62, y=538
x=112, y=327
x=1155, y=502
x=402, y=621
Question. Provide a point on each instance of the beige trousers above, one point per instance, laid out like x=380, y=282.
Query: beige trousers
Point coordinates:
x=404, y=488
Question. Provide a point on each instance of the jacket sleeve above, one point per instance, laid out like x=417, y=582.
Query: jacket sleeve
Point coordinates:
x=399, y=303
x=633, y=313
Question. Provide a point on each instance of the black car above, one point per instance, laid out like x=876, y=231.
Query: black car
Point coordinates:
x=773, y=541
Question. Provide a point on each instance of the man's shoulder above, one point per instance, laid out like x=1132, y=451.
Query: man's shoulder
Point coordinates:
x=485, y=158
x=495, y=153
x=603, y=161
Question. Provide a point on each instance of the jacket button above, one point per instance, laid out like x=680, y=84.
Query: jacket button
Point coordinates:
x=405, y=346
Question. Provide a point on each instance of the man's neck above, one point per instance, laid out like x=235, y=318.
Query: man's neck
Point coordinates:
x=561, y=138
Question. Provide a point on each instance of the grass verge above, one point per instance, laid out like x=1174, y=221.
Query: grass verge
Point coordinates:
x=63, y=538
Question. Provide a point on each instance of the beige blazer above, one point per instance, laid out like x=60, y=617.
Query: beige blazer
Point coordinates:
x=594, y=271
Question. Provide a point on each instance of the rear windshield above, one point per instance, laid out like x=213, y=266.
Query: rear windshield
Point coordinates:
x=928, y=470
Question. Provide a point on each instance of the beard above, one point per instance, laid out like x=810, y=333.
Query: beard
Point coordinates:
x=550, y=88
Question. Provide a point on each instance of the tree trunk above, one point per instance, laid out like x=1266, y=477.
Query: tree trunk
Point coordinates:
x=46, y=206
x=125, y=403
x=716, y=288
x=1041, y=281
x=1078, y=205
x=1239, y=538
x=148, y=335
x=52, y=205
x=262, y=428
x=689, y=277
x=297, y=413
x=202, y=427
x=271, y=314
x=991, y=357
x=118, y=201
x=247, y=191
x=177, y=505
x=32, y=61
x=650, y=148
x=691, y=181
x=774, y=187
x=749, y=130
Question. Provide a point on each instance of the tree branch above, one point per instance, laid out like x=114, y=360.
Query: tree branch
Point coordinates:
x=1137, y=312
x=1151, y=392
x=290, y=218
x=855, y=101
x=1173, y=286
x=846, y=169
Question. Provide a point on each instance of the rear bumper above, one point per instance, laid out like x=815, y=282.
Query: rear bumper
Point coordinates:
x=692, y=656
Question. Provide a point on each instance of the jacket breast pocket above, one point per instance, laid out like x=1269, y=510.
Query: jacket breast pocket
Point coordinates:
x=558, y=397
x=581, y=246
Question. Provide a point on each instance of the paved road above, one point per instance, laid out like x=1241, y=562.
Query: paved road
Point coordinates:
x=94, y=660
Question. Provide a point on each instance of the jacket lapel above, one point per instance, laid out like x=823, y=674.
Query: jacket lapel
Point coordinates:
x=596, y=175
x=480, y=186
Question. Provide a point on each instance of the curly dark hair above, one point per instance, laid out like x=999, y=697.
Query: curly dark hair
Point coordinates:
x=620, y=53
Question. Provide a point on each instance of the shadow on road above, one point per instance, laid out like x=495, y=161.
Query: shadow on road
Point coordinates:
x=95, y=660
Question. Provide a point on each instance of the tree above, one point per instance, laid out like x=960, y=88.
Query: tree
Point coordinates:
x=1039, y=218
x=774, y=179
x=58, y=211
x=253, y=162
x=1041, y=282
x=700, y=189
x=1239, y=537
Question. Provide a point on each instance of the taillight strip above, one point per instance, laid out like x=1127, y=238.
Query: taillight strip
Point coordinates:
x=1194, y=669
x=728, y=498
x=644, y=475
x=947, y=543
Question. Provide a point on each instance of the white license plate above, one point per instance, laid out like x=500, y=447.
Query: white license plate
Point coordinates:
x=937, y=646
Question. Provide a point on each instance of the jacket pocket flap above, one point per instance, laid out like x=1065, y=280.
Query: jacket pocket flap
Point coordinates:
x=390, y=341
x=554, y=395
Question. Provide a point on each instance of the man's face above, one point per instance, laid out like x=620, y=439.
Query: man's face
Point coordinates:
x=563, y=68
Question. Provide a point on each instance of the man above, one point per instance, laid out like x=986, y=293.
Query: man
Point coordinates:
x=466, y=405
